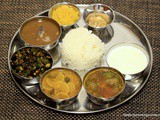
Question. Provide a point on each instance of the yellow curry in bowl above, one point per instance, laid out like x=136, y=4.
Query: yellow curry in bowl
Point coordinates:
x=61, y=83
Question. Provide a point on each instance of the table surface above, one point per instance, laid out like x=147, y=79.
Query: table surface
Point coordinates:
x=15, y=105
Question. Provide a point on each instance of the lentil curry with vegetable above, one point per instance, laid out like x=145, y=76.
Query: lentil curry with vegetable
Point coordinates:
x=31, y=62
x=61, y=83
x=103, y=83
x=40, y=31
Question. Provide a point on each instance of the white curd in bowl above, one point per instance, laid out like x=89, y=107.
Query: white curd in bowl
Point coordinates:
x=127, y=58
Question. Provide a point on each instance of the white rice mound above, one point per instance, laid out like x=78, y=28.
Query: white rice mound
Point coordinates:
x=81, y=49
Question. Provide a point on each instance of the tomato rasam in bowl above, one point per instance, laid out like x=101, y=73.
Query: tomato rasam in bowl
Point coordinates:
x=41, y=32
x=103, y=84
x=62, y=85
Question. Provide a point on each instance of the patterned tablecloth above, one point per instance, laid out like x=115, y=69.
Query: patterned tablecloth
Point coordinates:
x=15, y=105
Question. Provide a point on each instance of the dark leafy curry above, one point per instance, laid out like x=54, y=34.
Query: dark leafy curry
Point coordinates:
x=104, y=83
x=31, y=62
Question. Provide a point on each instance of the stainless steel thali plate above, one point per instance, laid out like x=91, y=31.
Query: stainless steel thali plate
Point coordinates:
x=124, y=31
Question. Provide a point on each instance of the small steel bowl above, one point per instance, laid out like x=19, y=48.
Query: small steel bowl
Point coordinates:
x=101, y=100
x=101, y=8
x=26, y=80
x=40, y=18
x=129, y=76
x=106, y=32
x=61, y=102
x=64, y=27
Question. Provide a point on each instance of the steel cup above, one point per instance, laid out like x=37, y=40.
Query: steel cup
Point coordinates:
x=104, y=33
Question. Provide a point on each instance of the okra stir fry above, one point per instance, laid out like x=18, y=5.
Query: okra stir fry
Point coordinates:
x=31, y=62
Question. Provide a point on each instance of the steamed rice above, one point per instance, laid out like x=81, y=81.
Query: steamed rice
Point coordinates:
x=81, y=49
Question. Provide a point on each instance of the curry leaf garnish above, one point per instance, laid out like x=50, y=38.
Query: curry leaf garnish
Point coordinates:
x=67, y=80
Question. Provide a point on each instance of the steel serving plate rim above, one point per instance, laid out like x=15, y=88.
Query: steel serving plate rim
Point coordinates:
x=86, y=112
